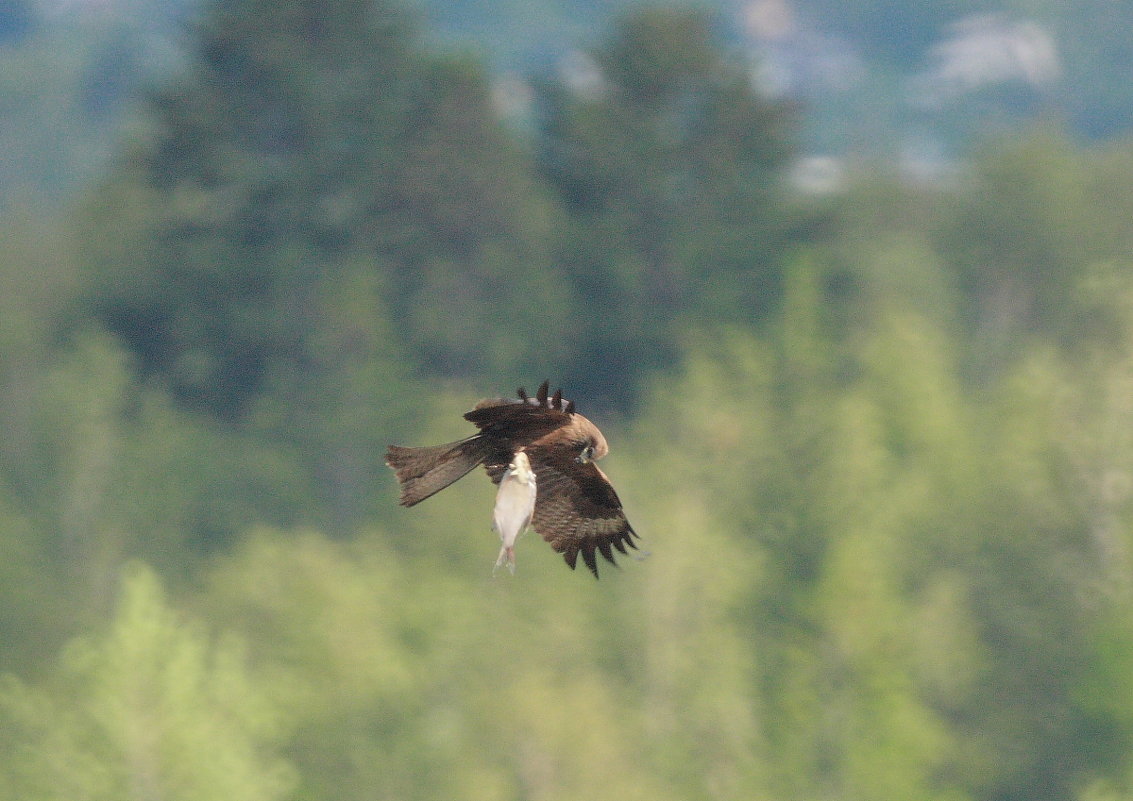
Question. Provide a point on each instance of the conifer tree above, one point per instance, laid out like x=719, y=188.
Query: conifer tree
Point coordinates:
x=668, y=162
x=303, y=140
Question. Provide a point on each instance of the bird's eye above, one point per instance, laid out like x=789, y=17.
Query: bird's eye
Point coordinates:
x=586, y=454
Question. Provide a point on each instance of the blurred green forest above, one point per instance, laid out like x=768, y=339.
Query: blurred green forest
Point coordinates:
x=878, y=442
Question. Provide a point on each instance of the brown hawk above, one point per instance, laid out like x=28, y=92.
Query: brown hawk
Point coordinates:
x=571, y=503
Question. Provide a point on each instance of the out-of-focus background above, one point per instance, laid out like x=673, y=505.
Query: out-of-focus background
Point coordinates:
x=847, y=285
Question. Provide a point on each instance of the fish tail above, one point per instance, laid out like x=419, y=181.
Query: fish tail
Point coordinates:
x=507, y=556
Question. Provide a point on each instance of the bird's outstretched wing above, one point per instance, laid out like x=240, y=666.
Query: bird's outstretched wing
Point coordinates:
x=577, y=510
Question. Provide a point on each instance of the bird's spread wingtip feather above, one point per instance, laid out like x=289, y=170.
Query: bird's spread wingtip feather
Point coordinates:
x=589, y=558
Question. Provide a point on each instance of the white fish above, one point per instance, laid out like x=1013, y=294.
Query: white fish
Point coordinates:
x=515, y=504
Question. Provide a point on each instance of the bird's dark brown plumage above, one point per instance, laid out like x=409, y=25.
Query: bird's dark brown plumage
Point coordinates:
x=577, y=511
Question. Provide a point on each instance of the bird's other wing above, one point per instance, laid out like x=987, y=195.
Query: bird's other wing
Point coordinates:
x=498, y=415
x=512, y=424
x=577, y=510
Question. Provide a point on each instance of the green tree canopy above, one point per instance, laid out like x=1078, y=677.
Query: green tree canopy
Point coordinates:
x=303, y=140
x=152, y=708
x=668, y=163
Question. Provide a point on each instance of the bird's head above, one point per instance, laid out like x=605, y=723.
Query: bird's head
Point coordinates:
x=591, y=444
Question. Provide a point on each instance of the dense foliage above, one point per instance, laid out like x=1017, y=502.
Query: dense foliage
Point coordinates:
x=879, y=444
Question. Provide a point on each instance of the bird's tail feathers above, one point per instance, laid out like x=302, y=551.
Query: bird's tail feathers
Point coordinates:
x=423, y=472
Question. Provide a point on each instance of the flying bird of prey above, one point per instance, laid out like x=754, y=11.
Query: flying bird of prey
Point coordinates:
x=575, y=508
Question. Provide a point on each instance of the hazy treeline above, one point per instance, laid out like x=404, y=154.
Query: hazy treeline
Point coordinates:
x=879, y=443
